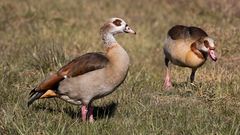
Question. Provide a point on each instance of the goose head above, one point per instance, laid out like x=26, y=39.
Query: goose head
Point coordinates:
x=115, y=26
x=208, y=46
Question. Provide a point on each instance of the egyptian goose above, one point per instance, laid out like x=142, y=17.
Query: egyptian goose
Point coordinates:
x=90, y=76
x=187, y=47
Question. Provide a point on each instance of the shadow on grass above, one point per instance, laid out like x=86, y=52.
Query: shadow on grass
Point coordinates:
x=184, y=89
x=180, y=84
x=103, y=112
x=187, y=84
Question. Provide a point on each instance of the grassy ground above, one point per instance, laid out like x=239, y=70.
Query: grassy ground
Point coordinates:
x=37, y=37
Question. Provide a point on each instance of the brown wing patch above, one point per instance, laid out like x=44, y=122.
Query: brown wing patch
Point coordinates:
x=183, y=32
x=197, y=33
x=117, y=22
x=42, y=90
x=50, y=82
x=84, y=64
x=78, y=66
x=178, y=32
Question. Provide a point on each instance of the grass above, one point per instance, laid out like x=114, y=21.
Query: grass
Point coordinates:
x=38, y=37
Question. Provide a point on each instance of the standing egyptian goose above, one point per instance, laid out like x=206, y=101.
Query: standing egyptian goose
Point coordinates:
x=187, y=47
x=90, y=76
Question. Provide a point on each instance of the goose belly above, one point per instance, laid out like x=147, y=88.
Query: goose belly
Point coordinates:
x=85, y=88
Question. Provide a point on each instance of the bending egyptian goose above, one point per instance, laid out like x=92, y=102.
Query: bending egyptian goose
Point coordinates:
x=90, y=76
x=187, y=47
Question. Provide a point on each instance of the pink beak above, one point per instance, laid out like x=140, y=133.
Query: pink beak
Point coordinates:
x=212, y=55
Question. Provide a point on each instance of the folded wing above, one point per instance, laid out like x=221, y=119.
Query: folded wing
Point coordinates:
x=81, y=65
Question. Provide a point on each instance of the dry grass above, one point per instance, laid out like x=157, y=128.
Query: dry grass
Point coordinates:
x=38, y=37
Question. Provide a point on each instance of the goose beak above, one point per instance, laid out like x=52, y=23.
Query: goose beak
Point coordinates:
x=129, y=30
x=212, y=55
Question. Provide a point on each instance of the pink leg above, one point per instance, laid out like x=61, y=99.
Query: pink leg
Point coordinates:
x=167, y=82
x=91, y=119
x=84, y=112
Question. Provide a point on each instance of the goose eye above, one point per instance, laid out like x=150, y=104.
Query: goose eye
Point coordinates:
x=126, y=27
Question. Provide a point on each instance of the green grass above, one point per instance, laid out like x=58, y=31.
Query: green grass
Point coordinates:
x=38, y=37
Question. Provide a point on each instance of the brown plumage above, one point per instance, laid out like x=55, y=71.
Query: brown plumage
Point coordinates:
x=184, y=32
x=187, y=47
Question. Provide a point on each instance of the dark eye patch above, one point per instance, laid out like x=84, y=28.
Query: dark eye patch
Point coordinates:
x=206, y=44
x=117, y=22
